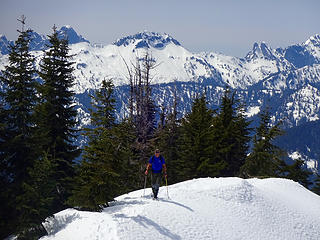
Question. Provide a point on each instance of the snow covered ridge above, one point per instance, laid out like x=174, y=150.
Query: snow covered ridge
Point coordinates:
x=96, y=62
x=147, y=39
x=40, y=42
x=4, y=44
x=209, y=208
x=287, y=80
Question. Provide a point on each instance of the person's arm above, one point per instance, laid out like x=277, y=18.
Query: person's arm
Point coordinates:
x=147, y=169
x=164, y=167
x=148, y=166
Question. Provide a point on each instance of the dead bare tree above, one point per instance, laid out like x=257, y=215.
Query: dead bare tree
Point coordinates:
x=141, y=106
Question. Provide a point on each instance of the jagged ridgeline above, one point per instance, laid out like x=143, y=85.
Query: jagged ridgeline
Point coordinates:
x=285, y=79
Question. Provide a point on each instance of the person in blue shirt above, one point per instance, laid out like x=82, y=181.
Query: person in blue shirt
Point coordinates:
x=158, y=165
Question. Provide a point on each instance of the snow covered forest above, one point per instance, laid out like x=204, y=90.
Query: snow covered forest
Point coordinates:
x=43, y=171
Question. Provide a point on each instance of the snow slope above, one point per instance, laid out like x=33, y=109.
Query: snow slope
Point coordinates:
x=210, y=208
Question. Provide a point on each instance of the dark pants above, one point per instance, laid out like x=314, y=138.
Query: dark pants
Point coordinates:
x=155, y=183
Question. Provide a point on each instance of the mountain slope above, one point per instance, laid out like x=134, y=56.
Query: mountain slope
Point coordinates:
x=287, y=80
x=40, y=42
x=219, y=208
x=304, y=54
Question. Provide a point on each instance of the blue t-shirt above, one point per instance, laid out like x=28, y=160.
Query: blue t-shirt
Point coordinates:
x=157, y=163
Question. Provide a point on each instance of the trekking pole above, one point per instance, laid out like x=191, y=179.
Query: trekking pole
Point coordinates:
x=167, y=187
x=145, y=184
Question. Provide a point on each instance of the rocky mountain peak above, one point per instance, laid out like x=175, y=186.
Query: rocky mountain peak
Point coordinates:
x=260, y=50
x=147, y=39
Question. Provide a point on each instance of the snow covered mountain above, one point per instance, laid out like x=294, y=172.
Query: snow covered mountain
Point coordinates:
x=304, y=54
x=40, y=42
x=4, y=44
x=147, y=40
x=287, y=80
x=209, y=208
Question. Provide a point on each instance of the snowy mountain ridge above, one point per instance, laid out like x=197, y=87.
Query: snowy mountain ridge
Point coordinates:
x=208, y=208
x=178, y=63
x=285, y=79
x=147, y=39
x=40, y=42
x=260, y=50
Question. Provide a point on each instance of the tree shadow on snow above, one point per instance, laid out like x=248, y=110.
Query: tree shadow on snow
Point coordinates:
x=116, y=206
x=145, y=222
x=57, y=223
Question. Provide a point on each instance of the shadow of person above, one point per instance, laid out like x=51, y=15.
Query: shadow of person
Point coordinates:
x=178, y=204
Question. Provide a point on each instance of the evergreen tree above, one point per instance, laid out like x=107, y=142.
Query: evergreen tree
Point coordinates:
x=316, y=187
x=18, y=98
x=99, y=172
x=5, y=206
x=231, y=134
x=297, y=172
x=36, y=202
x=194, y=140
x=266, y=159
x=125, y=135
x=56, y=116
x=215, y=162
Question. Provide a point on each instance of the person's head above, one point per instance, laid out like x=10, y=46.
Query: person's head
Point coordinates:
x=157, y=152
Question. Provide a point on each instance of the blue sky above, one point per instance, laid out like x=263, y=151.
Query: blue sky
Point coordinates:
x=227, y=26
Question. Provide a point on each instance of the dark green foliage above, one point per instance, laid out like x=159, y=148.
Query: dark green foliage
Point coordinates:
x=6, y=207
x=316, y=188
x=125, y=138
x=98, y=180
x=229, y=136
x=215, y=163
x=18, y=98
x=298, y=172
x=266, y=159
x=35, y=204
x=194, y=140
x=56, y=116
x=213, y=144
x=97, y=184
x=102, y=117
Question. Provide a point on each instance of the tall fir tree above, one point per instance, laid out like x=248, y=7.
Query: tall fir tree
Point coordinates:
x=266, y=159
x=214, y=164
x=231, y=134
x=37, y=200
x=5, y=206
x=98, y=180
x=17, y=128
x=194, y=140
x=125, y=135
x=56, y=115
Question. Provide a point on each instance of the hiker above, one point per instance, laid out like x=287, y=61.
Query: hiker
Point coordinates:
x=158, y=166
